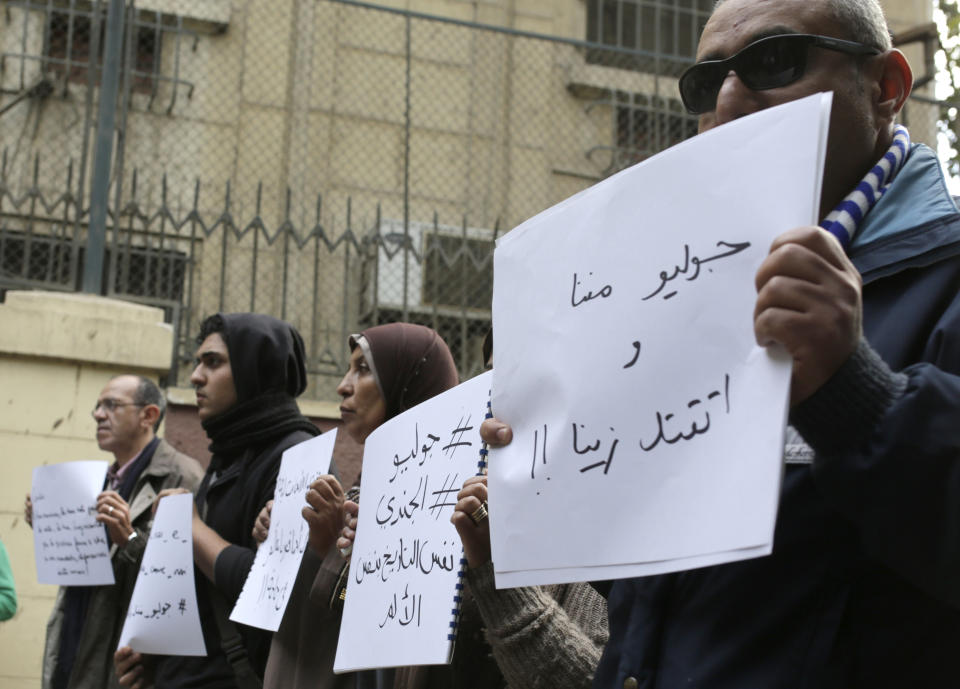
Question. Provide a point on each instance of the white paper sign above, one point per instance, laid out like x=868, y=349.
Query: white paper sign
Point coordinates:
x=406, y=560
x=70, y=545
x=267, y=589
x=163, y=617
x=648, y=424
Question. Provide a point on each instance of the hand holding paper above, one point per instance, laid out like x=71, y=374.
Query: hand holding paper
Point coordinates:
x=163, y=617
x=401, y=601
x=270, y=582
x=627, y=364
x=475, y=536
x=70, y=544
x=324, y=513
x=809, y=301
x=114, y=513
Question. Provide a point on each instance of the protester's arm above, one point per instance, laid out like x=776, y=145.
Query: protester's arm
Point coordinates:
x=8, y=592
x=887, y=444
x=536, y=641
x=114, y=513
x=329, y=582
x=888, y=458
x=208, y=546
x=207, y=543
x=351, y=515
x=231, y=562
x=130, y=668
x=809, y=302
x=324, y=513
x=261, y=527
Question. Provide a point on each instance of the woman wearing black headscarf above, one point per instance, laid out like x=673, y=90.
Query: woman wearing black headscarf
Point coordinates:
x=250, y=368
x=393, y=368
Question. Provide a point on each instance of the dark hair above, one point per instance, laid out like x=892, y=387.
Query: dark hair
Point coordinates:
x=209, y=326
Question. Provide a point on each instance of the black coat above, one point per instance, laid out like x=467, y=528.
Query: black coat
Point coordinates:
x=247, y=440
x=863, y=586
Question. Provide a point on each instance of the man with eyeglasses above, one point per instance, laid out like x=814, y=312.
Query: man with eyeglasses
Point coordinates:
x=863, y=586
x=86, y=622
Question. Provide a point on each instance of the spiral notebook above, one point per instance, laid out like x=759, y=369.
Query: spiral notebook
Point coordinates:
x=458, y=596
x=406, y=571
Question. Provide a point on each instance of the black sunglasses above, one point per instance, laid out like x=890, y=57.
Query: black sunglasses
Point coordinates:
x=769, y=63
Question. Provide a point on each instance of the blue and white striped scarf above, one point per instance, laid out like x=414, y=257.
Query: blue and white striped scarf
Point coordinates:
x=843, y=222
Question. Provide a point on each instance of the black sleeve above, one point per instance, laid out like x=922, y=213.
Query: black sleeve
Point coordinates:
x=888, y=458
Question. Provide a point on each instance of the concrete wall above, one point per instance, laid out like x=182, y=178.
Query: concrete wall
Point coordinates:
x=57, y=351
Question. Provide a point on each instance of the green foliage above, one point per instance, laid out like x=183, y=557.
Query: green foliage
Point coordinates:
x=949, y=110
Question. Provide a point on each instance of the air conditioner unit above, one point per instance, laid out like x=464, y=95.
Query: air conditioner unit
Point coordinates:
x=447, y=269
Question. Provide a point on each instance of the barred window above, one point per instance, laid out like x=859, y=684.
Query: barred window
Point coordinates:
x=457, y=271
x=665, y=31
x=47, y=260
x=647, y=125
x=69, y=48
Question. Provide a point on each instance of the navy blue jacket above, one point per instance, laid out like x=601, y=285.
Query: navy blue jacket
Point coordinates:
x=863, y=586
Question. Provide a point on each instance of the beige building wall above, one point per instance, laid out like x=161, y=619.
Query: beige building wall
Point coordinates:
x=298, y=95
x=289, y=94
x=291, y=100
x=56, y=353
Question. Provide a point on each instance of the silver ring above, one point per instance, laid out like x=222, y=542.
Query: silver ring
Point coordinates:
x=479, y=514
x=110, y=511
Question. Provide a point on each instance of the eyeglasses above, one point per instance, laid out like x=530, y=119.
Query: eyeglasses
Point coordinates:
x=769, y=63
x=110, y=405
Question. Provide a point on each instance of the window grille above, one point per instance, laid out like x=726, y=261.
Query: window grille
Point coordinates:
x=663, y=32
x=68, y=48
x=69, y=40
x=457, y=271
x=45, y=260
x=647, y=125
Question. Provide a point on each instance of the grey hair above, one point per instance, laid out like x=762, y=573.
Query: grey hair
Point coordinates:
x=863, y=20
x=148, y=393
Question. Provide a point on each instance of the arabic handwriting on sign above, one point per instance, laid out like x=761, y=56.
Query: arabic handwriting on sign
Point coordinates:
x=287, y=541
x=593, y=448
x=696, y=262
x=456, y=437
x=409, y=611
x=424, y=452
x=272, y=590
x=542, y=452
x=636, y=354
x=391, y=510
x=297, y=484
x=419, y=556
x=446, y=496
x=663, y=420
x=604, y=292
x=404, y=511
x=71, y=537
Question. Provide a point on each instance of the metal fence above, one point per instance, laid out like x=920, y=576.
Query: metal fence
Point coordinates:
x=335, y=164
x=331, y=162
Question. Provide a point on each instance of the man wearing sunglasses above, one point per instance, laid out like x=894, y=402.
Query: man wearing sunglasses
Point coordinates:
x=86, y=622
x=863, y=586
